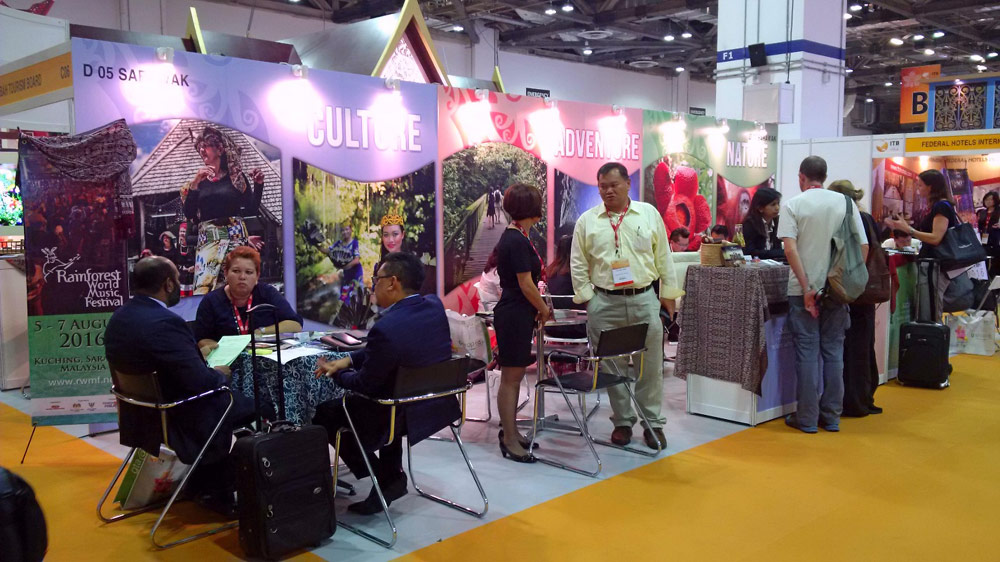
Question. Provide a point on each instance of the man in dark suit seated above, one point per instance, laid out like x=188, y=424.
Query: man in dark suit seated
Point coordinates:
x=412, y=332
x=144, y=336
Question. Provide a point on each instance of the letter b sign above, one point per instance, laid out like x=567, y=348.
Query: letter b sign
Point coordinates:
x=919, y=103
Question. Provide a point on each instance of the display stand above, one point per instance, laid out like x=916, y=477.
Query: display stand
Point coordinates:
x=728, y=401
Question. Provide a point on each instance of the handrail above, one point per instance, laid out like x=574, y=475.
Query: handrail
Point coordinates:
x=474, y=208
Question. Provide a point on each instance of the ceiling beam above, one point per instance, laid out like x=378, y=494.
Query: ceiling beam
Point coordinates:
x=467, y=24
x=367, y=10
x=601, y=44
x=609, y=19
x=904, y=9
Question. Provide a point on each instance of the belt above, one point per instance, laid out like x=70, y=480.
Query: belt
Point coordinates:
x=624, y=292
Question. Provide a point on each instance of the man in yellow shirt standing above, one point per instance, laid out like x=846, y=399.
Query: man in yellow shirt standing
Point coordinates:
x=620, y=248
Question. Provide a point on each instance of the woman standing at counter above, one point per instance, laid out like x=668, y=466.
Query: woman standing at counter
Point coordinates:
x=989, y=228
x=520, y=310
x=860, y=368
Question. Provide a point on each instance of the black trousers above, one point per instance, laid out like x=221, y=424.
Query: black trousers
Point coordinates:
x=860, y=367
x=388, y=465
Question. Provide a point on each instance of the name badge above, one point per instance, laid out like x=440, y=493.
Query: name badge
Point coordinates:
x=984, y=237
x=621, y=273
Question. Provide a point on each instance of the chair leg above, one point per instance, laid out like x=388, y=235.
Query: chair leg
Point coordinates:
x=445, y=501
x=180, y=488
x=645, y=424
x=107, y=492
x=378, y=489
x=489, y=401
x=582, y=424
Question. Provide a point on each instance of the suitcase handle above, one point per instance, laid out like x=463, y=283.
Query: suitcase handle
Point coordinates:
x=253, y=367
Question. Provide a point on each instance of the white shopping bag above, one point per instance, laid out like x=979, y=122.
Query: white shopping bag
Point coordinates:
x=956, y=343
x=978, y=329
x=469, y=335
x=150, y=479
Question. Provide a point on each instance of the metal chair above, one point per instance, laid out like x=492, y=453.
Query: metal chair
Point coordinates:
x=143, y=390
x=616, y=343
x=448, y=378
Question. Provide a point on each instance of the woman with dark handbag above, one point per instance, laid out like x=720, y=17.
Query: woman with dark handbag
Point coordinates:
x=955, y=293
x=860, y=368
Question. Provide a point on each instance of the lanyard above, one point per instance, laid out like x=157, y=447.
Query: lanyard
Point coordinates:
x=615, y=227
x=537, y=255
x=243, y=327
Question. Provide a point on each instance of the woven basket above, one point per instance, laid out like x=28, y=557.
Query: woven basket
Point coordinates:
x=711, y=255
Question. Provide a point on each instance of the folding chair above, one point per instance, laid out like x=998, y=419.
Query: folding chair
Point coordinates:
x=566, y=350
x=616, y=343
x=143, y=390
x=448, y=378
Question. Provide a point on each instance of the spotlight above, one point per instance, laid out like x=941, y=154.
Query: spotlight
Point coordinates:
x=896, y=41
x=856, y=7
x=981, y=67
x=679, y=69
x=976, y=58
x=588, y=51
x=567, y=7
x=928, y=52
x=937, y=34
x=165, y=54
x=550, y=11
x=392, y=84
x=847, y=16
x=300, y=71
x=723, y=125
x=457, y=27
x=849, y=70
x=918, y=37
x=959, y=82
x=686, y=35
x=991, y=55
x=668, y=37
x=888, y=84
x=869, y=100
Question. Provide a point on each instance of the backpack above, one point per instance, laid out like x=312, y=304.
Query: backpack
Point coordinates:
x=879, y=286
x=22, y=525
x=848, y=276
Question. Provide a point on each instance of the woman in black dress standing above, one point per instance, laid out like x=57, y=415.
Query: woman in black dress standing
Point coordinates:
x=520, y=309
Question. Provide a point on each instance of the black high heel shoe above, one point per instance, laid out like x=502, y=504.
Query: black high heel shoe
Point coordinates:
x=528, y=458
x=524, y=444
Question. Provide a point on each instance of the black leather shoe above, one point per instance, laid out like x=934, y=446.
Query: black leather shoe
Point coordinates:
x=370, y=505
x=873, y=409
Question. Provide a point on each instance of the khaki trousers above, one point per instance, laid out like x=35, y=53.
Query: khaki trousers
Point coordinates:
x=615, y=311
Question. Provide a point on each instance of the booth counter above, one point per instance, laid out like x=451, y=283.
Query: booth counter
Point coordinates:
x=734, y=352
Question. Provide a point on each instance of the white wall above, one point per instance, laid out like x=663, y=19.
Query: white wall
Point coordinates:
x=566, y=80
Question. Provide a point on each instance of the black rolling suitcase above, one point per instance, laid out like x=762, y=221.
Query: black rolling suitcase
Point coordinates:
x=923, y=345
x=23, y=535
x=283, y=483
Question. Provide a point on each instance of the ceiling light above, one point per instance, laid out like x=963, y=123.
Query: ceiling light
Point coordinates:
x=679, y=69
x=686, y=35
x=977, y=58
x=550, y=11
x=856, y=7
x=849, y=70
x=457, y=27
x=847, y=16
x=888, y=84
x=991, y=55
x=980, y=67
x=958, y=81
x=668, y=37
x=588, y=51
x=896, y=41
x=869, y=100
x=567, y=7
x=937, y=34
x=918, y=37
x=928, y=52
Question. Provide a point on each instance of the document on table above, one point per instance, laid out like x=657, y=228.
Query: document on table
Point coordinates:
x=229, y=349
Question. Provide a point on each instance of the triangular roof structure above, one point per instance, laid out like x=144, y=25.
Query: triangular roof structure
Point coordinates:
x=385, y=47
x=174, y=162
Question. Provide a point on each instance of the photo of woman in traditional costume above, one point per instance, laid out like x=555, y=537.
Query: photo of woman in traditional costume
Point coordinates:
x=345, y=254
x=217, y=198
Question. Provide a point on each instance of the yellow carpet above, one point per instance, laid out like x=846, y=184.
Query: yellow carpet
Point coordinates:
x=919, y=482
x=69, y=475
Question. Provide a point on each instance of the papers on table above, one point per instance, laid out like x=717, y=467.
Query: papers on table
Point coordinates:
x=229, y=349
x=294, y=353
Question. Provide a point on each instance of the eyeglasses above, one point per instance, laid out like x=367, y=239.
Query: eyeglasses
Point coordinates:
x=375, y=278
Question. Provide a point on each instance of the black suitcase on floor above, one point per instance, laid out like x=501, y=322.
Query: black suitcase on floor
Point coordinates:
x=23, y=536
x=923, y=345
x=285, y=490
x=284, y=486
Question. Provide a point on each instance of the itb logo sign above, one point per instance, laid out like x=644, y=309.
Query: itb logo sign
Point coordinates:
x=888, y=146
